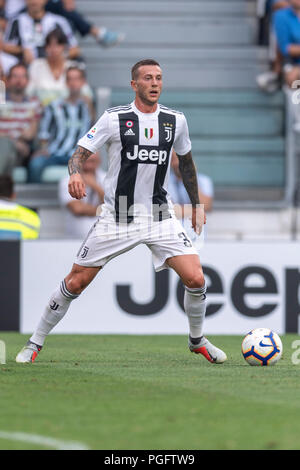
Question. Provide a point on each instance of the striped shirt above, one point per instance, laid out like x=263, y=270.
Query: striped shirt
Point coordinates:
x=28, y=33
x=139, y=150
x=63, y=124
x=15, y=117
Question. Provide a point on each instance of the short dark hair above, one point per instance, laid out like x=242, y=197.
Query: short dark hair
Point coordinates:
x=57, y=35
x=16, y=66
x=78, y=68
x=135, y=68
x=6, y=186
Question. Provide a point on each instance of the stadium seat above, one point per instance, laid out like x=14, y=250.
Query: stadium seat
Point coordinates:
x=53, y=174
x=19, y=175
x=211, y=43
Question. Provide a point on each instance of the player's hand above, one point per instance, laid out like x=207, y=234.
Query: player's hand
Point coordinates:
x=198, y=218
x=76, y=186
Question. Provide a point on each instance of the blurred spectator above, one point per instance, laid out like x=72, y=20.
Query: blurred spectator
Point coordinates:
x=19, y=119
x=264, y=11
x=67, y=9
x=279, y=4
x=2, y=8
x=287, y=28
x=270, y=81
x=47, y=76
x=63, y=123
x=6, y=60
x=178, y=193
x=25, y=35
x=79, y=215
x=16, y=222
x=13, y=7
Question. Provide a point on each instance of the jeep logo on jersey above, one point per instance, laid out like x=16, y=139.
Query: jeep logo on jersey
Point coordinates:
x=148, y=155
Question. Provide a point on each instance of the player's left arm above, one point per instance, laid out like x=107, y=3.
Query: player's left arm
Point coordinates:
x=189, y=177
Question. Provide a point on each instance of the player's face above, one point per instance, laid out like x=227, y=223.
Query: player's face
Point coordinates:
x=148, y=84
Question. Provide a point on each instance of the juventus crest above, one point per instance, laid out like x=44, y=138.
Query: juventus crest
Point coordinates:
x=169, y=131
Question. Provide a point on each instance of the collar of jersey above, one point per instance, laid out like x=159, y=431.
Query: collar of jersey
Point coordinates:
x=146, y=115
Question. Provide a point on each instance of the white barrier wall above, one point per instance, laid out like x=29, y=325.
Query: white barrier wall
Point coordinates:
x=249, y=285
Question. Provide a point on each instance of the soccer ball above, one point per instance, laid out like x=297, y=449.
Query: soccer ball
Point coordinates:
x=262, y=347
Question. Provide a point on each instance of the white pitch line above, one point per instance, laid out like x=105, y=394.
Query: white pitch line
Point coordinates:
x=42, y=440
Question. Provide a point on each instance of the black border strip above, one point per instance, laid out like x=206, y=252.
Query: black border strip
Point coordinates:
x=10, y=254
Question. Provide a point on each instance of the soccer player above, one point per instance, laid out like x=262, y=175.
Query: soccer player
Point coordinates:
x=137, y=209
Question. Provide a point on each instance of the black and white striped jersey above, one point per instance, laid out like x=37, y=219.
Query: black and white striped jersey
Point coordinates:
x=139, y=150
x=24, y=31
x=63, y=123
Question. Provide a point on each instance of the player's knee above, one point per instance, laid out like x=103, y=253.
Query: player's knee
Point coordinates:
x=76, y=284
x=195, y=281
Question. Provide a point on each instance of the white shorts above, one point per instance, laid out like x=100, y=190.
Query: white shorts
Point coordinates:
x=106, y=240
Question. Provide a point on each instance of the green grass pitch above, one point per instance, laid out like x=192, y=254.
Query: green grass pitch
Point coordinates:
x=148, y=392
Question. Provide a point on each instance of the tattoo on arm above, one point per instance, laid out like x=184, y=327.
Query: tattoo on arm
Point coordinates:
x=189, y=177
x=77, y=160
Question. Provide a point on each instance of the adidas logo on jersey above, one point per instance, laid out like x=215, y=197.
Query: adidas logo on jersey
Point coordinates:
x=129, y=132
x=143, y=155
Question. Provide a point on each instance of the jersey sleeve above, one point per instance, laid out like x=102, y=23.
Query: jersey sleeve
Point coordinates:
x=182, y=143
x=98, y=135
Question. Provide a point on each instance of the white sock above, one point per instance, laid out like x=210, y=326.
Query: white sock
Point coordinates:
x=56, y=309
x=195, y=308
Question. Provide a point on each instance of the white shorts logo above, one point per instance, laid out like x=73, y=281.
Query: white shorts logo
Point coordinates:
x=84, y=252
